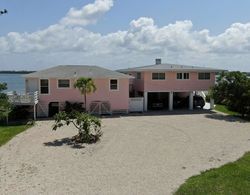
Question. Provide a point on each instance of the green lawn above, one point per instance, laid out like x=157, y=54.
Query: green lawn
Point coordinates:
x=8, y=132
x=224, y=109
x=230, y=179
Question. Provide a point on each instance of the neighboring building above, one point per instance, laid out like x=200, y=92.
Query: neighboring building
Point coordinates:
x=56, y=85
x=160, y=84
x=139, y=89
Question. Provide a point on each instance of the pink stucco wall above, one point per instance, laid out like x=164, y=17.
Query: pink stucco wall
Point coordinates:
x=171, y=83
x=118, y=99
x=138, y=84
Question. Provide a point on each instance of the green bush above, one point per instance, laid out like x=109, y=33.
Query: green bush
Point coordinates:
x=88, y=126
x=233, y=90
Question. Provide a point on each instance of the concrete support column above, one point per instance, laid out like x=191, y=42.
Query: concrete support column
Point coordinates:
x=170, y=101
x=34, y=111
x=211, y=104
x=145, y=101
x=191, y=100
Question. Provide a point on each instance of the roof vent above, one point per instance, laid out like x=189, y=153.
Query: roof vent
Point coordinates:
x=158, y=61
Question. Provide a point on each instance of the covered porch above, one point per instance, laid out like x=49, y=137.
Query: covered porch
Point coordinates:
x=167, y=100
x=25, y=99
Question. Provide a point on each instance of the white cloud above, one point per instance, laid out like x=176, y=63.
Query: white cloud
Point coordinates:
x=138, y=45
x=142, y=36
x=88, y=14
x=235, y=39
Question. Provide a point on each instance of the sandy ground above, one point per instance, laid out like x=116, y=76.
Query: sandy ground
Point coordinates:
x=137, y=155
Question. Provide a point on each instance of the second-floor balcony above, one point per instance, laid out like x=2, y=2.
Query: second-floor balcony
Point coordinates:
x=23, y=99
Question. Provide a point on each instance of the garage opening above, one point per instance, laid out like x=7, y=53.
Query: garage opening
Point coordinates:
x=181, y=100
x=53, y=108
x=158, y=100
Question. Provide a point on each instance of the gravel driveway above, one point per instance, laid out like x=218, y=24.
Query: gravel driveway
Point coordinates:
x=137, y=155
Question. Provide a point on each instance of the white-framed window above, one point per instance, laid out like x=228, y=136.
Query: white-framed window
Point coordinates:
x=63, y=83
x=182, y=75
x=158, y=76
x=138, y=75
x=204, y=76
x=113, y=84
x=44, y=86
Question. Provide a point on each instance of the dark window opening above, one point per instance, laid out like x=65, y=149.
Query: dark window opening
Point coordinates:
x=63, y=83
x=44, y=86
x=158, y=76
x=113, y=84
x=204, y=76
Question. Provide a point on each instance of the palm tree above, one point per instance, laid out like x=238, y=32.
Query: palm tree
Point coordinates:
x=85, y=86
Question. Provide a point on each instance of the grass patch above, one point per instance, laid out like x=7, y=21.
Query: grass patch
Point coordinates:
x=8, y=132
x=232, y=178
x=224, y=109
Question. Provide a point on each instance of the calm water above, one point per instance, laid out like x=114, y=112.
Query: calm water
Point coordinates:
x=15, y=82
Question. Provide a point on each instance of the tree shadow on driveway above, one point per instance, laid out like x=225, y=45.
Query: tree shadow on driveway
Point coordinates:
x=64, y=141
x=223, y=117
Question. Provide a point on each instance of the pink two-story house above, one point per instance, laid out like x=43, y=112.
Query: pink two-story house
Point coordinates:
x=160, y=84
x=55, y=86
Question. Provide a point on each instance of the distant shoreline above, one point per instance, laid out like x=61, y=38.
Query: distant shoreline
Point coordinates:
x=15, y=72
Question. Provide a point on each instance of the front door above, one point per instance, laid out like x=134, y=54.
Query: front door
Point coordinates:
x=53, y=108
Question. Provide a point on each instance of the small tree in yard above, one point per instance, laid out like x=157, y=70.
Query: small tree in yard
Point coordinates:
x=85, y=86
x=233, y=90
x=5, y=105
x=89, y=127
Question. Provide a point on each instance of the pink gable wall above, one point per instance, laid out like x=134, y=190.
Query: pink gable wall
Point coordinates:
x=118, y=99
x=171, y=83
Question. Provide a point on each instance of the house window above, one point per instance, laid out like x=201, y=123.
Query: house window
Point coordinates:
x=138, y=75
x=158, y=76
x=182, y=75
x=186, y=75
x=204, y=76
x=44, y=86
x=63, y=83
x=179, y=75
x=113, y=84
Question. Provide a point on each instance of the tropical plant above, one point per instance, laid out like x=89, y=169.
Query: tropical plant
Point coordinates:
x=85, y=86
x=5, y=105
x=233, y=90
x=3, y=86
x=89, y=127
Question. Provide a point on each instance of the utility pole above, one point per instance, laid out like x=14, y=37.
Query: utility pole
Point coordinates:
x=4, y=11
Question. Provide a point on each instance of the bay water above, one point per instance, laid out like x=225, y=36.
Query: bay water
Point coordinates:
x=15, y=82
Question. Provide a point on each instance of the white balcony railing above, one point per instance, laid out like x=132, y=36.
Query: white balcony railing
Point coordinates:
x=23, y=99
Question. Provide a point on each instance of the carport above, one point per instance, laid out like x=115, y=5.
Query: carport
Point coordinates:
x=165, y=100
x=183, y=100
x=180, y=100
x=158, y=100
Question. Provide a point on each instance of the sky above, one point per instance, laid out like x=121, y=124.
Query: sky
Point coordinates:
x=116, y=34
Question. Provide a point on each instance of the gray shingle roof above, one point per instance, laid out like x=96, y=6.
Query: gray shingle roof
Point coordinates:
x=169, y=67
x=71, y=71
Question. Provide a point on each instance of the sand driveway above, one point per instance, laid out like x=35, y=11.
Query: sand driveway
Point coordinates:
x=137, y=155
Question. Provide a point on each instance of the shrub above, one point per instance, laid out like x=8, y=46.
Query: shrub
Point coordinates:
x=88, y=126
x=233, y=90
x=19, y=113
